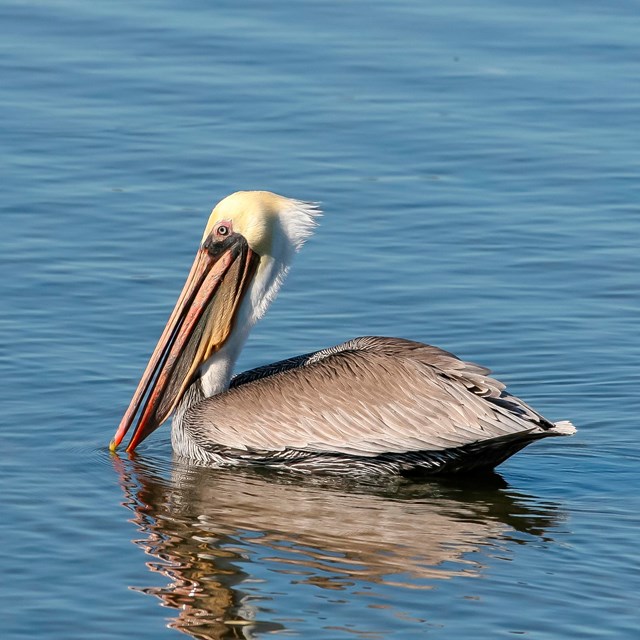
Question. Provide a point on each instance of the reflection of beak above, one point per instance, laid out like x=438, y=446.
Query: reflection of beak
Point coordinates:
x=198, y=326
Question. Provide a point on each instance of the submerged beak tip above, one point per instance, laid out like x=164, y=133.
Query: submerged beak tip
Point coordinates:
x=113, y=445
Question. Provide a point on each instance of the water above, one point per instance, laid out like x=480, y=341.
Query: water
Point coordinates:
x=478, y=165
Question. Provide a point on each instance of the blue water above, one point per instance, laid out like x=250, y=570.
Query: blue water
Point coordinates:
x=479, y=168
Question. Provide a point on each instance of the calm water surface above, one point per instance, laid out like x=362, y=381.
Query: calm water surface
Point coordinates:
x=479, y=169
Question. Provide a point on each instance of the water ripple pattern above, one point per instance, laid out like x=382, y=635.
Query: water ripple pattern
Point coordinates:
x=478, y=166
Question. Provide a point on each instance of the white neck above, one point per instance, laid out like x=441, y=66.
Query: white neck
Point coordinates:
x=216, y=372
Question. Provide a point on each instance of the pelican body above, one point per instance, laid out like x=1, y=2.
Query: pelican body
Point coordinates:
x=369, y=405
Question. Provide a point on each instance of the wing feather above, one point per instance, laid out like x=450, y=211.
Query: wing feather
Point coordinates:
x=365, y=397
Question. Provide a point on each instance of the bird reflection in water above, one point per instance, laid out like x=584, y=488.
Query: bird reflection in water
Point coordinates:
x=206, y=529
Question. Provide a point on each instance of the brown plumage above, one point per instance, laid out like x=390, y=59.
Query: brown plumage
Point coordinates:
x=370, y=404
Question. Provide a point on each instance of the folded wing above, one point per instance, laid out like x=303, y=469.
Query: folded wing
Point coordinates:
x=366, y=397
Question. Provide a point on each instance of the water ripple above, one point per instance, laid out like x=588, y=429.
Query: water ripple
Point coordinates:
x=218, y=535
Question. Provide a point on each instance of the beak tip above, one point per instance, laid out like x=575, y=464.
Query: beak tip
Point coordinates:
x=113, y=445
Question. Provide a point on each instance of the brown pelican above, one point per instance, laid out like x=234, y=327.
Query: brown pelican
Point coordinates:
x=369, y=405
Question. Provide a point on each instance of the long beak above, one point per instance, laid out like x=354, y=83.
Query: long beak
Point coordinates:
x=198, y=326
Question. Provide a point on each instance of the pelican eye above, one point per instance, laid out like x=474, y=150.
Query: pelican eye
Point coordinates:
x=223, y=229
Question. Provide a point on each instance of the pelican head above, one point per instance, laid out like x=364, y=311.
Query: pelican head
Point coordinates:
x=246, y=249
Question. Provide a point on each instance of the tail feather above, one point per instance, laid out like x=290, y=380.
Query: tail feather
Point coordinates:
x=562, y=428
x=488, y=454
